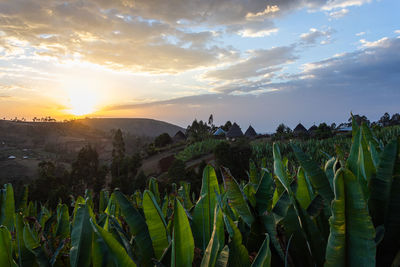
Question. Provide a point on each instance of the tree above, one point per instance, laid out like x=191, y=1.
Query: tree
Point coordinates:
x=86, y=172
x=118, y=154
x=177, y=171
x=359, y=119
x=52, y=184
x=395, y=120
x=198, y=131
x=323, y=131
x=385, y=120
x=227, y=126
x=162, y=140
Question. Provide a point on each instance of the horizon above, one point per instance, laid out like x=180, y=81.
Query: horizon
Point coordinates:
x=254, y=63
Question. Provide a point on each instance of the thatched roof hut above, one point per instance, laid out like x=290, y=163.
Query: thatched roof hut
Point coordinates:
x=313, y=128
x=179, y=136
x=300, y=130
x=234, y=131
x=219, y=132
x=250, y=132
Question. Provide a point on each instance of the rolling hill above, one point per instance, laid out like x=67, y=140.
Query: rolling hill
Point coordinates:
x=133, y=126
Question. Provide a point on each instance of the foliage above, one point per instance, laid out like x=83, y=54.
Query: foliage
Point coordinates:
x=162, y=140
x=198, y=131
x=198, y=149
x=346, y=214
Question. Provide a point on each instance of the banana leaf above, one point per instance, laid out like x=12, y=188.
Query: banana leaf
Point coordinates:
x=182, y=238
x=156, y=224
x=6, y=258
x=351, y=240
x=236, y=197
x=203, y=213
x=115, y=249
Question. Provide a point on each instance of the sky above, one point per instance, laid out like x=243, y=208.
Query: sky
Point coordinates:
x=249, y=61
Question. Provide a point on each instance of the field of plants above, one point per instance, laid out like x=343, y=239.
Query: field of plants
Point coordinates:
x=198, y=149
x=299, y=212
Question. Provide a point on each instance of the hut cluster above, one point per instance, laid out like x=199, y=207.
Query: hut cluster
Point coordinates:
x=235, y=132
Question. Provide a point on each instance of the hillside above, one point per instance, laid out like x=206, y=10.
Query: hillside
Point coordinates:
x=133, y=126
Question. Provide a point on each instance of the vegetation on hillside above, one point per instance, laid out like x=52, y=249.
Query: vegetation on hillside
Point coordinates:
x=343, y=212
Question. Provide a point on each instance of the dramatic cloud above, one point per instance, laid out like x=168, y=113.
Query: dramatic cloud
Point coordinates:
x=365, y=81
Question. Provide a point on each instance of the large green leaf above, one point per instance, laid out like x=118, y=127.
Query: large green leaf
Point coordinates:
x=265, y=193
x=390, y=244
x=6, y=258
x=7, y=211
x=351, y=240
x=223, y=257
x=62, y=229
x=138, y=227
x=304, y=192
x=317, y=176
x=211, y=252
x=25, y=257
x=360, y=161
x=156, y=224
x=238, y=254
x=236, y=197
x=203, y=213
x=153, y=187
x=182, y=238
x=263, y=258
x=81, y=237
x=380, y=185
x=114, y=248
x=32, y=243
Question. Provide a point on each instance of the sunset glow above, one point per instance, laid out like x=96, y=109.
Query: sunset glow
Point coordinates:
x=177, y=61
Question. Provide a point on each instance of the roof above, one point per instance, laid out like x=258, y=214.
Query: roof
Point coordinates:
x=300, y=129
x=219, y=131
x=250, y=132
x=179, y=136
x=313, y=128
x=234, y=131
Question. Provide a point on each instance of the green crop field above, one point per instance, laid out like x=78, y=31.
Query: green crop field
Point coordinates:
x=339, y=209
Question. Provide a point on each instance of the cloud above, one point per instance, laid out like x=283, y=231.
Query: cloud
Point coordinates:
x=360, y=34
x=338, y=14
x=378, y=43
x=314, y=35
x=328, y=90
x=258, y=63
x=334, y=4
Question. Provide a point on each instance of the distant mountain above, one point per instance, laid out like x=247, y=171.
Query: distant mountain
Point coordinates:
x=134, y=126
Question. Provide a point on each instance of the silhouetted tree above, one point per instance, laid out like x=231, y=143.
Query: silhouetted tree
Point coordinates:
x=198, y=131
x=86, y=172
x=162, y=140
x=52, y=184
x=385, y=120
x=118, y=154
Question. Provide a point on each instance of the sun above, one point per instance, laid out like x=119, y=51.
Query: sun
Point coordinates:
x=81, y=101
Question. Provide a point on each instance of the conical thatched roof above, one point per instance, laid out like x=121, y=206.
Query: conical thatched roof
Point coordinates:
x=219, y=131
x=313, y=128
x=300, y=129
x=179, y=136
x=234, y=131
x=250, y=132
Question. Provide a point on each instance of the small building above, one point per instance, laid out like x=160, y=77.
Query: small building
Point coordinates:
x=343, y=130
x=300, y=130
x=234, y=132
x=219, y=132
x=179, y=136
x=250, y=132
x=312, y=130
